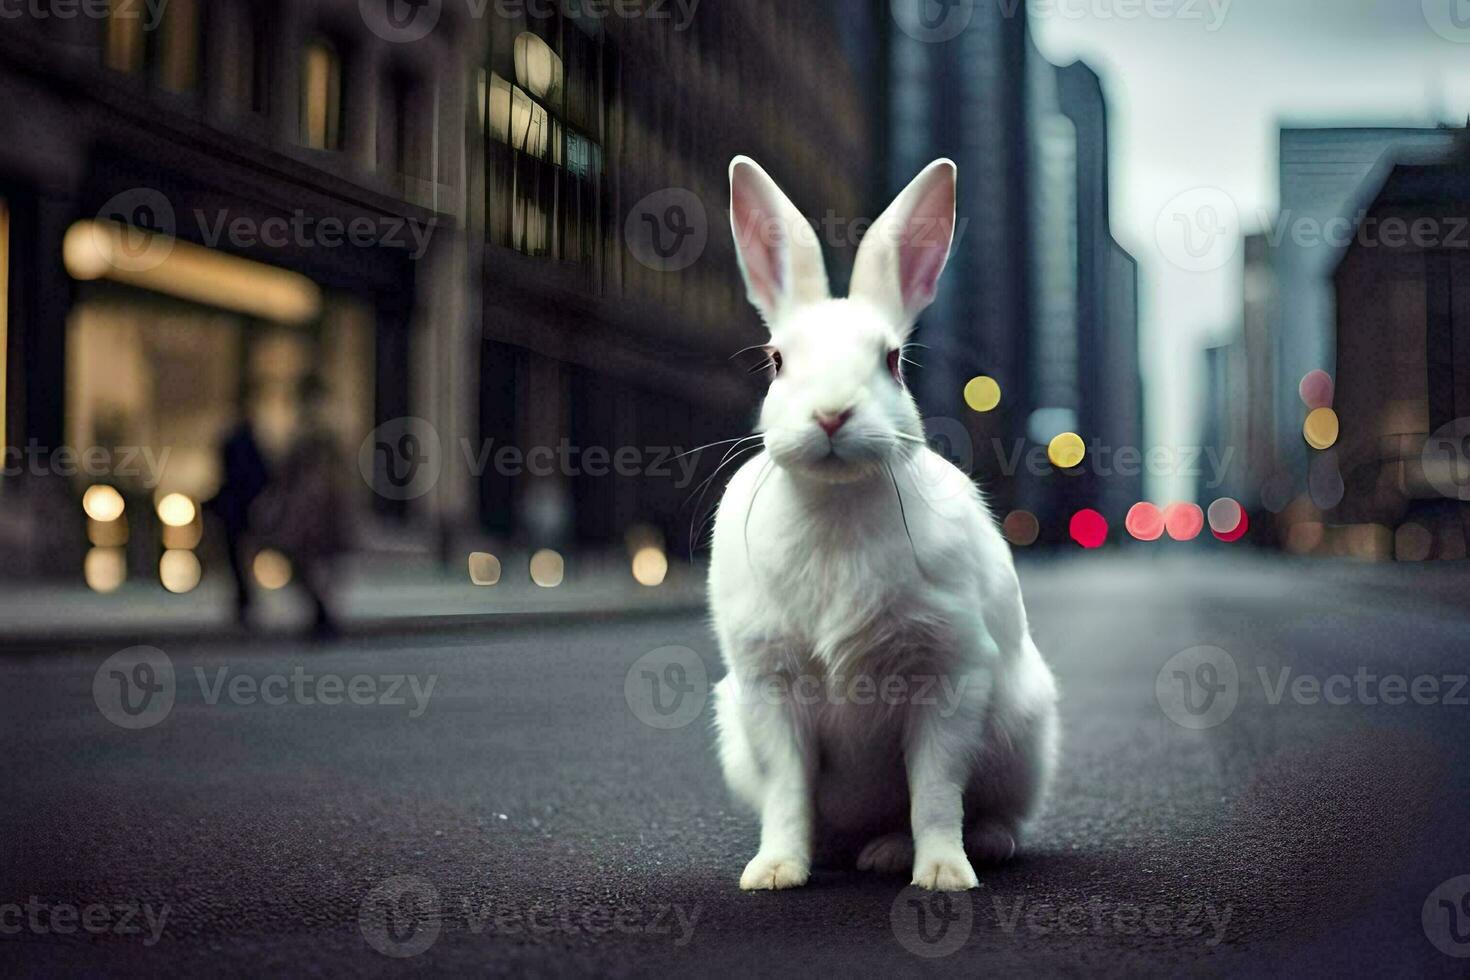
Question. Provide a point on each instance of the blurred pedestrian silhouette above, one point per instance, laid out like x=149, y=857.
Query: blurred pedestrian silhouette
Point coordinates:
x=245, y=476
x=304, y=511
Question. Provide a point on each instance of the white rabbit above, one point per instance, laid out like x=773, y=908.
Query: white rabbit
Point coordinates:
x=884, y=698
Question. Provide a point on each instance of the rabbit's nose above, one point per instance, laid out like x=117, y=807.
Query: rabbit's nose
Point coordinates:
x=830, y=423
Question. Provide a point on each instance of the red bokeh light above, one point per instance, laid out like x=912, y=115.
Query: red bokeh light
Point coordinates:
x=1145, y=522
x=1089, y=529
x=1184, y=521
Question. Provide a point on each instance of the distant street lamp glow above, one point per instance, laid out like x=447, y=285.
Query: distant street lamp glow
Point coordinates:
x=982, y=394
x=1322, y=428
x=103, y=503
x=650, y=567
x=177, y=510
x=548, y=569
x=179, y=571
x=1067, y=451
x=484, y=569
x=105, y=569
x=272, y=570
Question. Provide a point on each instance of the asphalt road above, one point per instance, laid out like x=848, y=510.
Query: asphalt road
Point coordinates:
x=251, y=828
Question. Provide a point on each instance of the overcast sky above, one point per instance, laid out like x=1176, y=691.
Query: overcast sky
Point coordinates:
x=1195, y=101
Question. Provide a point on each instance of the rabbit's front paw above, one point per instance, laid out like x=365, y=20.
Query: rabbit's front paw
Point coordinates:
x=767, y=872
x=944, y=870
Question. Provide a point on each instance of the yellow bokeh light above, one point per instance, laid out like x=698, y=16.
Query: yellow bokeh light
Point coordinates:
x=105, y=569
x=179, y=571
x=484, y=569
x=1322, y=429
x=650, y=567
x=177, y=510
x=1067, y=451
x=103, y=503
x=272, y=570
x=548, y=569
x=982, y=394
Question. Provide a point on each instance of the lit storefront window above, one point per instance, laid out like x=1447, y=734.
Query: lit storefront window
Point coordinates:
x=125, y=43
x=321, y=97
x=178, y=47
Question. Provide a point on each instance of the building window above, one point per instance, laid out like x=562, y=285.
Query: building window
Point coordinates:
x=125, y=45
x=542, y=106
x=178, y=47
x=254, y=54
x=4, y=318
x=321, y=97
x=169, y=52
x=405, y=126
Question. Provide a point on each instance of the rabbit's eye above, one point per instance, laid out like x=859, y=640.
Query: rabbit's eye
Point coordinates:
x=895, y=365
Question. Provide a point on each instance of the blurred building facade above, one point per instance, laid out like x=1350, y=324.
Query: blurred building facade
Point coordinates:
x=1324, y=291
x=180, y=200
x=1039, y=295
x=1402, y=294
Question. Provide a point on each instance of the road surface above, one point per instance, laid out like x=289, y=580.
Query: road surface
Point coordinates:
x=1266, y=770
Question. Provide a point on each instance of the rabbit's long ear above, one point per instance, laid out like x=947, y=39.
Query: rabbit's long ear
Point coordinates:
x=899, y=262
x=780, y=255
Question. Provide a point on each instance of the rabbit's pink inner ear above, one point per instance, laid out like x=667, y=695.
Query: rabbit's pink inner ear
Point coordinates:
x=924, y=245
x=760, y=239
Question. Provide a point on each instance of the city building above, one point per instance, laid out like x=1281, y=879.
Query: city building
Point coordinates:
x=509, y=229
x=1403, y=364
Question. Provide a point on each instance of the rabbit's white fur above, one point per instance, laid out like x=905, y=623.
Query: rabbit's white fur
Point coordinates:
x=884, y=700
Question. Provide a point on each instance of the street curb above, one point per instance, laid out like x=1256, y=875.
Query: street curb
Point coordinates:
x=354, y=629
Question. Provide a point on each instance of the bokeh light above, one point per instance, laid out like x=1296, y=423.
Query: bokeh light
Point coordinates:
x=1305, y=537
x=1021, y=528
x=103, y=503
x=1225, y=516
x=650, y=567
x=1067, y=451
x=105, y=569
x=1324, y=481
x=484, y=569
x=982, y=394
x=1184, y=521
x=179, y=571
x=108, y=534
x=272, y=570
x=1230, y=537
x=1316, y=390
x=548, y=569
x=1145, y=521
x=1322, y=428
x=177, y=510
x=1089, y=529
